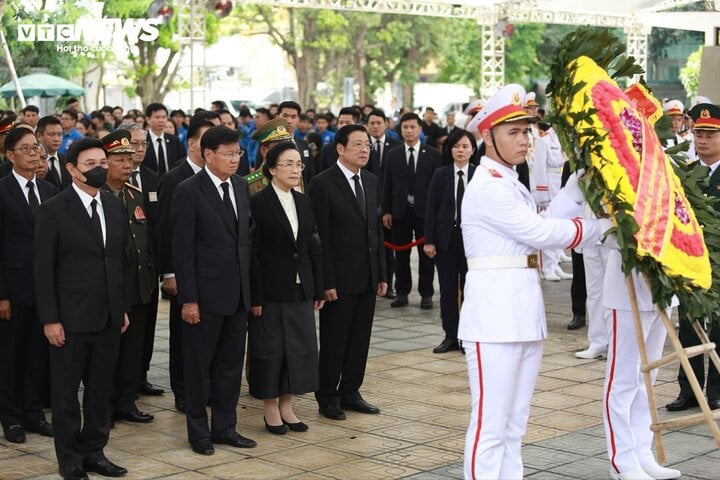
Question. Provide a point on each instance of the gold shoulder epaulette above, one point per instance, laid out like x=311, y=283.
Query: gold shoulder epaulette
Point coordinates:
x=130, y=185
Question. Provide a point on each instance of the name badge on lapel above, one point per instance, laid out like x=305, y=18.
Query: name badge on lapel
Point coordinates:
x=152, y=196
x=306, y=153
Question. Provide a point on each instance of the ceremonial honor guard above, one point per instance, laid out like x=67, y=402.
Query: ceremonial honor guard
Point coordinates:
x=502, y=335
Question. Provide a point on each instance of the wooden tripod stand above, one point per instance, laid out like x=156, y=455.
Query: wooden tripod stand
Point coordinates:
x=682, y=355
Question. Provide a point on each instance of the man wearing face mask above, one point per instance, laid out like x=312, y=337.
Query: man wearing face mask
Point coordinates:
x=79, y=270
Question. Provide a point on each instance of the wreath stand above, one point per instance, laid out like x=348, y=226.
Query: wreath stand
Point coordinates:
x=679, y=354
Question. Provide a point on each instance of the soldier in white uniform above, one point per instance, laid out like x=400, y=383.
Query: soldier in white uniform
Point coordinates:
x=675, y=110
x=502, y=323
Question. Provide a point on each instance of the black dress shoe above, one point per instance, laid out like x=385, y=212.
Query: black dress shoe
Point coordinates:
x=296, y=427
x=135, y=416
x=104, y=467
x=426, y=303
x=275, y=429
x=400, y=301
x=203, y=446
x=236, y=440
x=682, y=402
x=332, y=411
x=360, y=405
x=14, y=433
x=578, y=321
x=73, y=473
x=40, y=427
x=714, y=404
x=180, y=404
x=147, y=388
x=390, y=294
x=447, y=345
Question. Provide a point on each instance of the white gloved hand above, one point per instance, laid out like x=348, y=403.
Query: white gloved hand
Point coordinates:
x=605, y=225
x=572, y=187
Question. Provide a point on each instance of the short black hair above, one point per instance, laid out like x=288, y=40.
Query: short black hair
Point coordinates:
x=409, y=117
x=195, y=127
x=264, y=111
x=219, y=104
x=289, y=104
x=96, y=114
x=343, y=134
x=204, y=115
x=70, y=111
x=30, y=108
x=86, y=122
x=155, y=107
x=118, y=107
x=429, y=109
x=43, y=123
x=107, y=108
x=271, y=159
x=244, y=112
x=453, y=139
x=72, y=100
x=81, y=145
x=376, y=112
x=224, y=110
x=215, y=137
x=322, y=116
x=14, y=136
x=351, y=111
x=177, y=112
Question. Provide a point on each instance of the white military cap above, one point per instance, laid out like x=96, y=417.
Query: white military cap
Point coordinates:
x=700, y=99
x=674, y=107
x=473, y=107
x=530, y=100
x=505, y=106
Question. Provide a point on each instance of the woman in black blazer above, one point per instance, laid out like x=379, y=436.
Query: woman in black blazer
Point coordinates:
x=287, y=286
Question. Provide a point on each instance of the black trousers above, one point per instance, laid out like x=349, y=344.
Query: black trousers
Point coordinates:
x=578, y=293
x=452, y=268
x=23, y=367
x=402, y=234
x=149, y=339
x=90, y=358
x=214, y=352
x=176, y=364
x=689, y=338
x=345, y=328
x=128, y=373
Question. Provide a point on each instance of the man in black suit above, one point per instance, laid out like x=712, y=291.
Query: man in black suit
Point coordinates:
x=409, y=168
x=79, y=267
x=211, y=257
x=164, y=150
x=328, y=156
x=23, y=348
x=291, y=111
x=430, y=129
x=187, y=167
x=346, y=203
x=49, y=132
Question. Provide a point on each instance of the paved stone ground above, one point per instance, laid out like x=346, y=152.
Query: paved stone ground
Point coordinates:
x=419, y=435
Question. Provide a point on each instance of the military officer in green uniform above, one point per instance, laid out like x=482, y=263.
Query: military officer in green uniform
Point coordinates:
x=270, y=134
x=5, y=126
x=707, y=144
x=140, y=279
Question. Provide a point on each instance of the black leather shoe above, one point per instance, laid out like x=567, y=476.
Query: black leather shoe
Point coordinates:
x=147, y=388
x=426, y=303
x=333, y=412
x=390, y=294
x=41, y=427
x=180, y=404
x=203, y=446
x=360, y=405
x=578, y=321
x=236, y=440
x=682, y=402
x=275, y=429
x=104, y=467
x=14, y=433
x=447, y=345
x=296, y=427
x=73, y=473
x=714, y=404
x=135, y=416
x=400, y=301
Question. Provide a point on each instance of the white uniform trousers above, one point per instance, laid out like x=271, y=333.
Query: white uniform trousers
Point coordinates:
x=502, y=380
x=625, y=409
x=550, y=260
x=595, y=259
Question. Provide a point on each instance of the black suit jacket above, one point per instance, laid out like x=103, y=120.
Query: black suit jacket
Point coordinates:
x=211, y=256
x=149, y=181
x=440, y=209
x=17, y=234
x=65, y=179
x=306, y=158
x=395, y=181
x=166, y=189
x=377, y=165
x=277, y=256
x=353, y=255
x=80, y=283
x=327, y=158
x=174, y=149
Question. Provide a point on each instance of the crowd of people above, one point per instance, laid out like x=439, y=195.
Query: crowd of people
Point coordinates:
x=248, y=226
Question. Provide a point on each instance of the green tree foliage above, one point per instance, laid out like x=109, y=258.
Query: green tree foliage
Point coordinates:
x=690, y=73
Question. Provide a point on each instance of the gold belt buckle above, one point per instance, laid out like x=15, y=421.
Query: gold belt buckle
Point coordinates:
x=532, y=260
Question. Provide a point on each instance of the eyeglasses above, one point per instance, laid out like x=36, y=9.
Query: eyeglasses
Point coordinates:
x=292, y=166
x=139, y=145
x=230, y=155
x=25, y=149
x=93, y=164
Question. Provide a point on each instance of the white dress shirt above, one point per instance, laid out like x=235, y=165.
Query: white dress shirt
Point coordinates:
x=287, y=201
x=348, y=175
x=156, y=145
x=466, y=178
x=86, y=201
x=216, y=181
x=22, y=181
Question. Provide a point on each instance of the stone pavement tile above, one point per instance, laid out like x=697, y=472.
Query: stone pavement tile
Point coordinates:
x=704, y=467
x=421, y=457
x=141, y=468
x=310, y=457
x=365, y=444
x=458, y=420
x=250, y=469
x=414, y=432
x=536, y=433
x=681, y=446
x=408, y=344
x=407, y=358
x=426, y=476
x=187, y=475
x=367, y=469
x=565, y=420
x=454, y=382
x=575, y=373
x=137, y=441
x=556, y=401
x=457, y=400
x=596, y=431
x=451, y=362
x=187, y=459
x=593, y=408
x=583, y=390
x=575, y=443
x=543, y=458
x=394, y=334
x=404, y=374
x=360, y=422
x=451, y=471
x=588, y=468
x=454, y=443
x=545, y=383
x=26, y=466
x=414, y=410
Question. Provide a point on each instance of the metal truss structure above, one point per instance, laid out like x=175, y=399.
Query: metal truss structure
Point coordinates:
x=192, y=30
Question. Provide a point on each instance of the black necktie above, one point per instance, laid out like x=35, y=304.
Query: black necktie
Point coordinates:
x=95, y=221
x=54, y=178
x=458, y=199
x=227, y=202
x=133, y=178
x=360, y=195
x=378, y=152
x=161, y=157
x=411, y=172
x=32, y=199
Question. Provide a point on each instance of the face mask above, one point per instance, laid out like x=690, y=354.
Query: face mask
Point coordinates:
x=96, y=177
